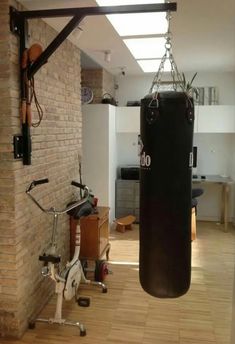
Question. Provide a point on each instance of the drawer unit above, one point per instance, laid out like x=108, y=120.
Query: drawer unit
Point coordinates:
x=127, y=198
x=95, y=234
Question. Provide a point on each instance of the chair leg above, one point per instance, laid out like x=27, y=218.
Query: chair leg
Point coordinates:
x=120, y=228
x=129, y=227
x=193, y=224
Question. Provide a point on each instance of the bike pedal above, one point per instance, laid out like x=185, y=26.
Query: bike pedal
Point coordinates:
x=84, y=301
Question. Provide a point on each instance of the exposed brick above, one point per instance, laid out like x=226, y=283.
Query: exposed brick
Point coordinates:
x=100, y=81
x=24, y=230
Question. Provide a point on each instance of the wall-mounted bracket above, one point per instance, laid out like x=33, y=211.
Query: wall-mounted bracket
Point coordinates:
x=18, y=146
x=22, y=145
x=15, y=21
x=18, y=25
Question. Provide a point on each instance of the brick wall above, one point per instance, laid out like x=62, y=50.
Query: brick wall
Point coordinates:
x=100, y=81
x=24, y=229
x=93, y=78
x=108, y=83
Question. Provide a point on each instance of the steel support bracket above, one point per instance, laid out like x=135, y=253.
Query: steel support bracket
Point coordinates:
x=19, y=26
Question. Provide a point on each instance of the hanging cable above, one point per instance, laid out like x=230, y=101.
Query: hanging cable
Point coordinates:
x=33, y=97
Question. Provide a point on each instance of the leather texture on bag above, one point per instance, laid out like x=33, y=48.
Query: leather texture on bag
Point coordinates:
x=165, y=194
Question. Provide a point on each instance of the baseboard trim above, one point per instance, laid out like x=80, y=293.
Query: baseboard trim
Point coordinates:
x=213, y=219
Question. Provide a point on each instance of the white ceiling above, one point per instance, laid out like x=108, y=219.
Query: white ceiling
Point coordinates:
x=203, y=36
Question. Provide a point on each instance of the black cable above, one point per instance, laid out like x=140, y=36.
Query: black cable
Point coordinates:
x=37, y=104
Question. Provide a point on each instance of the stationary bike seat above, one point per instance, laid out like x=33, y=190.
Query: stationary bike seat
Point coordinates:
x=49, y=258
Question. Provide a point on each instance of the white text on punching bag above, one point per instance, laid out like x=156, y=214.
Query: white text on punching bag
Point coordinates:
x=145, y=160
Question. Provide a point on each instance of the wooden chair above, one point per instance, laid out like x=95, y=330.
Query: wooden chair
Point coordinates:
x=195, y=193
x=193, y=224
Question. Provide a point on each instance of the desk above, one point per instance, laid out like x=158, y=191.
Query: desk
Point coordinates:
x=225, y=183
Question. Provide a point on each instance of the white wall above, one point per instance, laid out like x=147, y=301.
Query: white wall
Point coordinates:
x=99, y=152
x=91, y=166
x=214, y=153
x=127, y=149
x=136, y=87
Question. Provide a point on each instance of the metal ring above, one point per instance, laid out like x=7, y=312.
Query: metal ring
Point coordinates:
x=154, y=103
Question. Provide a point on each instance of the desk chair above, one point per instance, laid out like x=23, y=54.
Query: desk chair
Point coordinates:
x=195, y=193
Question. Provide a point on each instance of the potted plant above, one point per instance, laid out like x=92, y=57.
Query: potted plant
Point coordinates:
x=187, y=86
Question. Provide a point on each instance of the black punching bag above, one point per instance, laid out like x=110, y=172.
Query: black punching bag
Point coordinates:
x=165, y=193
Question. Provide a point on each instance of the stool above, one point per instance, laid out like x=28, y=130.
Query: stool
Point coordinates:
x=124, y=223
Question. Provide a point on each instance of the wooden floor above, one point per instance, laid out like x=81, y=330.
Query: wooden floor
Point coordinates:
x=126, y=314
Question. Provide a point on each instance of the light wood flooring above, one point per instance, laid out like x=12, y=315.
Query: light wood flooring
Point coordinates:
x=126, y=314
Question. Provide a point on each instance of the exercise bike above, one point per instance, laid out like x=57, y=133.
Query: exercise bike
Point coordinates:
x=68, y=279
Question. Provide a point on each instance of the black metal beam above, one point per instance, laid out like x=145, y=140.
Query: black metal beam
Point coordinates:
x=99, y=10
x=72, y=24
x=26, y=137
x=80, y=14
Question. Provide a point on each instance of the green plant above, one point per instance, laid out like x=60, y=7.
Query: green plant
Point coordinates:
x=187, y=86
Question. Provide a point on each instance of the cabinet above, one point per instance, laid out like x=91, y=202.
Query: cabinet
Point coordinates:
x=127, y=198
x=128, y=119
x=95, y=235
x=99, y=152
x=215, y=119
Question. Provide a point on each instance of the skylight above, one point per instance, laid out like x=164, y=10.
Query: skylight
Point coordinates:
x=139, y=23
x=127, y=2
x=143, y=48
x=150, y=66
x=146, y=25
x=136, y=23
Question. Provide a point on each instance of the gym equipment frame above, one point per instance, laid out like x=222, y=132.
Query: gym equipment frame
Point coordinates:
x=18, y=26
x=68, y=278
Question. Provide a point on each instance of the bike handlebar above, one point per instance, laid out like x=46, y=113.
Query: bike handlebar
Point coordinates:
x=53, y=210
x=78, y=185
x=37, y=182
x=41, y=181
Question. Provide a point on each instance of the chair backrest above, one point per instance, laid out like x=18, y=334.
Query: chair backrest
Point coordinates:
x=197, y=192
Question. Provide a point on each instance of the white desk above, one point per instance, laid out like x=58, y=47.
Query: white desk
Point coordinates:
x=225, y=183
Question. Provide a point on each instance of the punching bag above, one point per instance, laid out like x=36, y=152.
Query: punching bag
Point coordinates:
x=165, y=193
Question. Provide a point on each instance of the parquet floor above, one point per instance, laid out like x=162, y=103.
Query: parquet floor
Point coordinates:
x=126, y=314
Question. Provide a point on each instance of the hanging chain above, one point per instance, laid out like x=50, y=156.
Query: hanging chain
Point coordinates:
x=176, y=77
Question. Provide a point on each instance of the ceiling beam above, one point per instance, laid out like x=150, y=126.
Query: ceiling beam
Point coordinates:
x=99, y=10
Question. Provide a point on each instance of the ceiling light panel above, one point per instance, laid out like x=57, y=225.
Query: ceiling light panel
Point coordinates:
x=127, y=2
x=139, y=23
x=136, y=23
x=151, y=66
x=144, y=48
